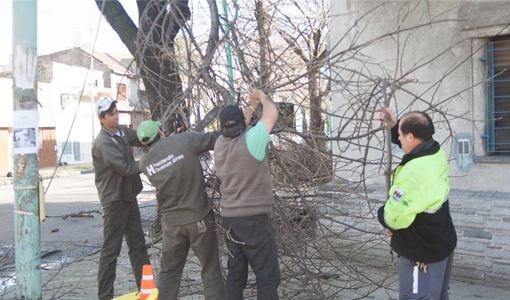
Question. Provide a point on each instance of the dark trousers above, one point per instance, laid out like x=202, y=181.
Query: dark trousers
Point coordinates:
x=120, y=219
x=250, y=240
x=432, y=285
x=177, y=239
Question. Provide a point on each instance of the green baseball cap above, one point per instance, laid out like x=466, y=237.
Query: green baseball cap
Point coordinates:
x=147, y=131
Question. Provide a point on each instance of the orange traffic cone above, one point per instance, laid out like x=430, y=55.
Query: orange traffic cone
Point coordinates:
x=148, y=285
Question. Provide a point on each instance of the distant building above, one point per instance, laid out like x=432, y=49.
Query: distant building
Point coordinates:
x=68, y=88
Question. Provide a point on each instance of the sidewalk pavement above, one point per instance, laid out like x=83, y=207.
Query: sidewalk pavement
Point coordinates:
x=47, y=173
x=79, y=279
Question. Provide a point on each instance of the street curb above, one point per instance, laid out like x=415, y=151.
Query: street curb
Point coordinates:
x=9, y=181
x=6, y=182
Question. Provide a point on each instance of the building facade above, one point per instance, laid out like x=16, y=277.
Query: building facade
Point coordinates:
x=451, y=59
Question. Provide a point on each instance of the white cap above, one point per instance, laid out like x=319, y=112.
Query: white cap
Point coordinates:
x=104, y=105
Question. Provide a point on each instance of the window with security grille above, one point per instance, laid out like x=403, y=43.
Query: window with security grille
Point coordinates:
x=498, y=95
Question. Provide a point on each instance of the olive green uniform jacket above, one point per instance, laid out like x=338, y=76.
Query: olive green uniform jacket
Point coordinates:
x=116, y=171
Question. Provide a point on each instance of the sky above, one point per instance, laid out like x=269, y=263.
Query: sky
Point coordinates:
x=63, y=23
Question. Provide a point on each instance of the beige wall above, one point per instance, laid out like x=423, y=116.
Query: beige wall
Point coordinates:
x=443, y=61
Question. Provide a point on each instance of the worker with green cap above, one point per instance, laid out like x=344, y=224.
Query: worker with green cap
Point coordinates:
x=173, y=166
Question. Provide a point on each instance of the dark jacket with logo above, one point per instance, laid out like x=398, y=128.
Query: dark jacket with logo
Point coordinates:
x=173, y=166
x=417, y=210
x=116, y=171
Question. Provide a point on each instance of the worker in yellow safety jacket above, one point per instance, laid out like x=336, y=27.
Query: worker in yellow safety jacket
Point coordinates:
x=417, y=211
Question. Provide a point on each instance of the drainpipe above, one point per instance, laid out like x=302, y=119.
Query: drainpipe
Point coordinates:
x=26, y=167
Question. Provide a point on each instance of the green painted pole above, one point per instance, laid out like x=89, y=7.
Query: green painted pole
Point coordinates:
x=330, y=121
x=27, y=228
x=228, y=50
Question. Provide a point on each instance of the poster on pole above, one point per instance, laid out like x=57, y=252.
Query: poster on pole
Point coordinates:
x=24, y=131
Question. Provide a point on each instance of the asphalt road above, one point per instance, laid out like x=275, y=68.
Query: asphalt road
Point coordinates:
x=73, y=217
x=73, y=226
x=66, y=196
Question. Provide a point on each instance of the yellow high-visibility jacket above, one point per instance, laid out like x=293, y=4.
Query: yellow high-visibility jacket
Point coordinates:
x=417, y=210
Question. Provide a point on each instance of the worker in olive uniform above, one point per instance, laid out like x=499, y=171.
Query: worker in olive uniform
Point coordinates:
x=173, y=166
x=417, y=211
x=118, y=183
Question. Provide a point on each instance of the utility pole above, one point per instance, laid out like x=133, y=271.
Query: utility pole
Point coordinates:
x=25, y=130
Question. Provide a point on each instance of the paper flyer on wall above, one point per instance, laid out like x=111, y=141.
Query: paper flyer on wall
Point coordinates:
x=24, y=131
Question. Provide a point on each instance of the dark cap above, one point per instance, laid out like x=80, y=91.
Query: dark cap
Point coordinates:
x=232, y=115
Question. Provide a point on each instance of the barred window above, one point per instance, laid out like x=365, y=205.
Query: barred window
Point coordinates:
x=498, y=95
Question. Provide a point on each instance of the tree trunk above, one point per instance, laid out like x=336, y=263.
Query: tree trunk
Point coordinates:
x=152, y=46
x=316, y=127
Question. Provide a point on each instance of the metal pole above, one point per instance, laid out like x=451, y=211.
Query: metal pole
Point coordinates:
x=26, y=198
x=228, y=50
x=91, y=71
x=92, y=104
x=388, y=138
x=330, y=121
